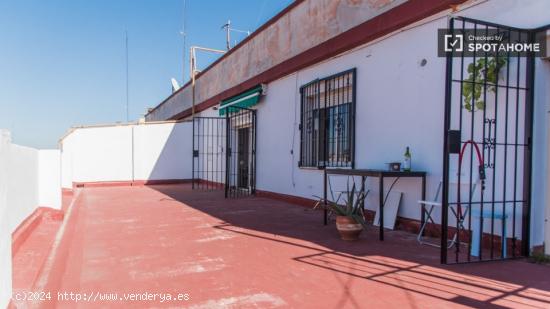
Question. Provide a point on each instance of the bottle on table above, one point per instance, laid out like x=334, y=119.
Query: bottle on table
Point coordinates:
x=407, y=160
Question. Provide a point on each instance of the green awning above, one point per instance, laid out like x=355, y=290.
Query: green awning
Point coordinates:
x=246, y=99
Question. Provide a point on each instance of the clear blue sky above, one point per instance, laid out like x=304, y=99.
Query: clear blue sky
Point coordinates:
x=62, y=63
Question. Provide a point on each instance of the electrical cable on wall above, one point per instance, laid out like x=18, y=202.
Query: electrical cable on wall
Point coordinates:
x=296, y=98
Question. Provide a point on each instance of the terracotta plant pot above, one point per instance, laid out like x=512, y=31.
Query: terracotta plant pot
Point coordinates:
x=348, y=228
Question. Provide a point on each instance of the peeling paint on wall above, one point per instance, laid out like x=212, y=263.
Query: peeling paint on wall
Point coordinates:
x=309, y=24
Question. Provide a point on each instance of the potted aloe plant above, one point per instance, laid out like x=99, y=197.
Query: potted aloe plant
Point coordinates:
x=349, y=217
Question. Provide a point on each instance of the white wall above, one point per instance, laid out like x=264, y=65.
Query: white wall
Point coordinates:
x=67, y=146
x=541, y=179
x=49, y=178
x=28, y=178
x=155, y=151
x=5, y=227
x=22, y=183
x=162, y=151
x=33, y=180
x=399, y=104
x=103, y=153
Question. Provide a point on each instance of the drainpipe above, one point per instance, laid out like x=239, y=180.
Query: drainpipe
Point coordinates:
x=546, y=242
x=133, y=156
x=192, y=74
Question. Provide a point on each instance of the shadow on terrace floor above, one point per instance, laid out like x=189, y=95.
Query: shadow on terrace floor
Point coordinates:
x=399, y=261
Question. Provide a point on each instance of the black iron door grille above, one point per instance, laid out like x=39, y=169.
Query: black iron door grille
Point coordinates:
x=224, y=152
x=209, y=152
x=241, y=152
x=243, y=141
x=487, y=155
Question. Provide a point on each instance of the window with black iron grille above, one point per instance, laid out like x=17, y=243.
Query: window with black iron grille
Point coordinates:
x=327, y=122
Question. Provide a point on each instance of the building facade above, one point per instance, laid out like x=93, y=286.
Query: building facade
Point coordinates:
x=351, y=84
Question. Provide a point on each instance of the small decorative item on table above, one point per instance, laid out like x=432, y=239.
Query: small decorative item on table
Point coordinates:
x=394, y=166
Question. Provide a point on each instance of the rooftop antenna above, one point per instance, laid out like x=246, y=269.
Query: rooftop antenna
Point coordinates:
x=183, y=33
x=228, y=30
x=227, y=34
x=127, y=88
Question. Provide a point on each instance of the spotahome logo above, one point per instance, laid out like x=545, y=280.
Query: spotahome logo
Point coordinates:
x=454, y=42
x=490, y=42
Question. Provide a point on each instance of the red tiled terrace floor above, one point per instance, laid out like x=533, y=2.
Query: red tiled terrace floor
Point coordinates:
x=261, y=253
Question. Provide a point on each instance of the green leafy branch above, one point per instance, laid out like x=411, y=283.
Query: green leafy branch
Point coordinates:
x=483, y=72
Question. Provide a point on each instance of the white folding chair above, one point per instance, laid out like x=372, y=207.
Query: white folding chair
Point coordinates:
x=430, y=206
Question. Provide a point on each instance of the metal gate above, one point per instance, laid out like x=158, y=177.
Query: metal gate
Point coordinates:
x=487, y=156
x=241, y=152
x=209, y=153
x=224, y=152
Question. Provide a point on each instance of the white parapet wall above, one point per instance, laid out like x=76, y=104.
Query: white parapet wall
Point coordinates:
x=101, y=154
x=162, y=151
x=29, y=178
x=129, y=152
x=34, y=180
x=49, y=178
x=5, y=230
x=22, y=183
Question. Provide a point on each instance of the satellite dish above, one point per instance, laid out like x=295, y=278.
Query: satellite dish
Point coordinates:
x=175, y=85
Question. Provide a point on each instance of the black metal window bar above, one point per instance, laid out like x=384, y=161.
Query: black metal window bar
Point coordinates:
x=241, y=152
x=209, y=152
x=327, y=122
x=491, y=216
